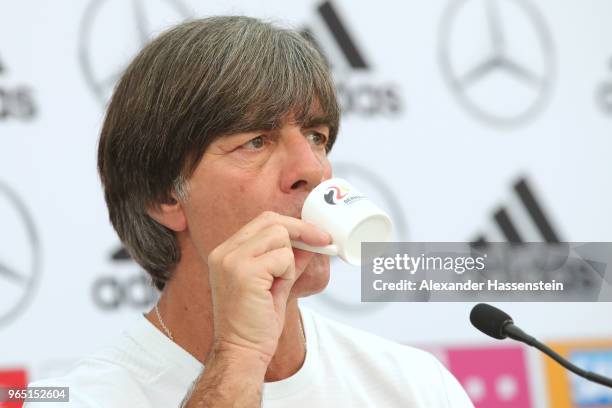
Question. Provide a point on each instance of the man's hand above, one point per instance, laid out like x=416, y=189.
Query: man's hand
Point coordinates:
x=251, y=275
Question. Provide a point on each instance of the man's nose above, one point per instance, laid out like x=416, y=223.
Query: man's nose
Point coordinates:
x=303, y=167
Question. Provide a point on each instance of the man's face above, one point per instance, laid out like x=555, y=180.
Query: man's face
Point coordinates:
x=242, y=175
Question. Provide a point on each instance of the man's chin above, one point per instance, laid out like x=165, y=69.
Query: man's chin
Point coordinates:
x=314, y=279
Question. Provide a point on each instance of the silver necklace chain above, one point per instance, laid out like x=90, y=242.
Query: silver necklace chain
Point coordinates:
x=161, y=321
x=303, y=332
x=169, y=333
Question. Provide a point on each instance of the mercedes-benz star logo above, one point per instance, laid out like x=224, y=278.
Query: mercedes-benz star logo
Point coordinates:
x=113, y=31
x=20, y=256
x=498, y=58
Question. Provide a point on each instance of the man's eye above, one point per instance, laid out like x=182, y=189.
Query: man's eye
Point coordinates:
x=319, y=139
x=255, y=144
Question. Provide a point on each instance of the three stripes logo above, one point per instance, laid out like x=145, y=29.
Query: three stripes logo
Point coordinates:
x=524, y=222
x=129, y=287
x=580, y=268
x=357, y=92
x=121, y=254
x=342, y=47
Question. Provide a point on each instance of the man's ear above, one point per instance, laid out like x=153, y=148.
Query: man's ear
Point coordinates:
x=169, y=214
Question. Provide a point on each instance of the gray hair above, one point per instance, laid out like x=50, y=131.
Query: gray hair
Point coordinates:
x=196, y=82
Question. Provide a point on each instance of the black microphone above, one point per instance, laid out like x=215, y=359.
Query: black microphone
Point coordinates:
x=497, y=324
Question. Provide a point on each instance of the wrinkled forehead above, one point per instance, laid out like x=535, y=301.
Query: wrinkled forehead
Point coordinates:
x=315, y=116
x=307, y=113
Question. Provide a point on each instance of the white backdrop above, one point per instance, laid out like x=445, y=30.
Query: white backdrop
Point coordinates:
x=447, y=104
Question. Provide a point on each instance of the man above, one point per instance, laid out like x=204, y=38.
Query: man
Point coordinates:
x=215, y=135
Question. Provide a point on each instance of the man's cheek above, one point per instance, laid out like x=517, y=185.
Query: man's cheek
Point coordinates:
x=314, y=278
x=320, y=262
x=327, y=169
x=317, y=264
x=316, y=274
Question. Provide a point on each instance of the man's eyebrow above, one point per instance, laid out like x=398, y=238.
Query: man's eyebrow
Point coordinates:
x=316, y=121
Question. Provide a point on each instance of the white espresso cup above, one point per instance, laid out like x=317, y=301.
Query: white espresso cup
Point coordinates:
x=349, y=217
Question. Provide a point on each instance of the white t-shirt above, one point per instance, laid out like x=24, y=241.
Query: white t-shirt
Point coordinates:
x=343, y=367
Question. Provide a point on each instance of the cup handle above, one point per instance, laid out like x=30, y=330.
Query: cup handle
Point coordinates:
x=326, y=250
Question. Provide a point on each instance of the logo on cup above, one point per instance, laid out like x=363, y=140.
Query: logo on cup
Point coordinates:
x=340, y=194
x=334, y=194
